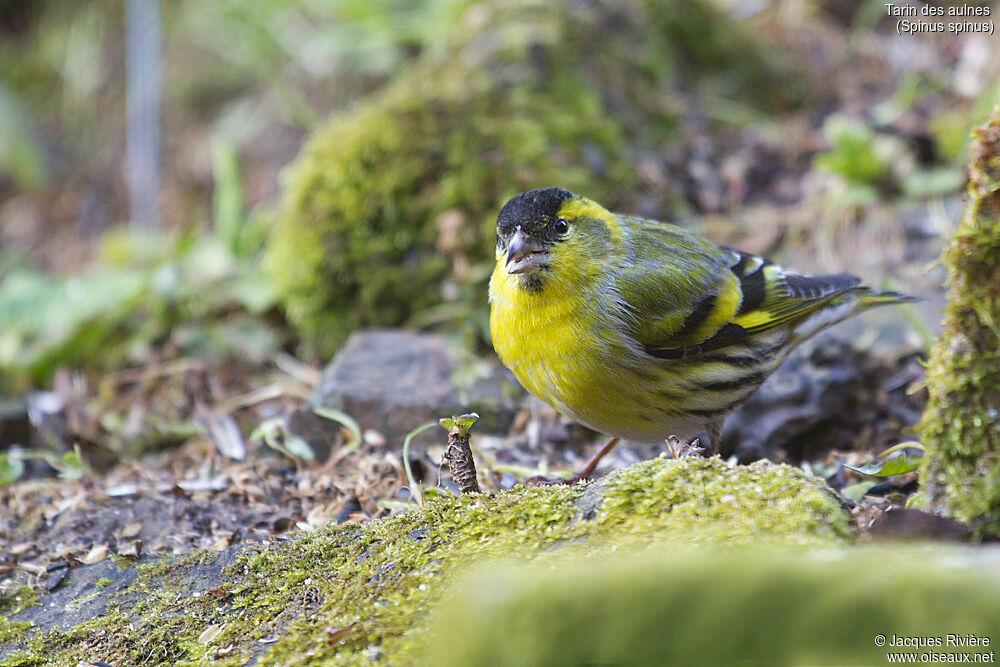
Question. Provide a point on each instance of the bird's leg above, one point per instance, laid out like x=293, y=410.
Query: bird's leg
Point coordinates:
x=591, y=466
x=584, y=473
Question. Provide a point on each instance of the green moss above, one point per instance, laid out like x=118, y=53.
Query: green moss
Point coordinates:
x=21, y=659
x=17, y=598
x=716, y=607
x=13, y=630
x=707, y=501
x=341, y=594
x=961, y=424
x=103, y=582
x=13, y=601
x=397, y=198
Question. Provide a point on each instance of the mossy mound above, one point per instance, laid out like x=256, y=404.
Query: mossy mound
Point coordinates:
x=961, y=425
x=723, y=607
x=395, y=199
x=344, y=594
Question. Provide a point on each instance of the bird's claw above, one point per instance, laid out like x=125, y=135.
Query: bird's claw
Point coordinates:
x=700, y=445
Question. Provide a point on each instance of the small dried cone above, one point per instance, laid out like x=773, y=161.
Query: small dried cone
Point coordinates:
x=459, y=454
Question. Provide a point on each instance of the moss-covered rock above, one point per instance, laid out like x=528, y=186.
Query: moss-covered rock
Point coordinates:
x=724, y=607
x=14, y=601
x=961, y=425
x=340, y=595
x=395, y=199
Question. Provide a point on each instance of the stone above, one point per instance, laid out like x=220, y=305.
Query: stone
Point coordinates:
x=392, y=381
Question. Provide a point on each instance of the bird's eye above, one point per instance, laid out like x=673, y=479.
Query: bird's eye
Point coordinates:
x=561, y=226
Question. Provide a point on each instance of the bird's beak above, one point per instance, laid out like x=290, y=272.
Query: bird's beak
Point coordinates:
x=525, y=255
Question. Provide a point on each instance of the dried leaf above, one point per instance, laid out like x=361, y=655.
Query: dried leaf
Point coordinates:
x=32, y=568
x=334, y=635
x=97, y=553
x=224, y=433
x=121, y=490
x=210, y=633
x=217, y=483
x=131, y=550
x=222, y=543
x=22, y=548
x=132, y=529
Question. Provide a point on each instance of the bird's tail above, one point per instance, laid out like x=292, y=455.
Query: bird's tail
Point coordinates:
x=868, y=298
x=846, y=304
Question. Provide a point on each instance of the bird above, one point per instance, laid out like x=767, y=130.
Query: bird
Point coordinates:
x=643, y=330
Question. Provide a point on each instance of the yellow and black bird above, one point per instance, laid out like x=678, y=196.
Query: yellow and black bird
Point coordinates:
x=640, y=329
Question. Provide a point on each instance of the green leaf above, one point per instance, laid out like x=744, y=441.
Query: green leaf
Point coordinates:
x=266, y=429
x=897, y=465
x=72, y=465
x=298, y=447
x=11, y=468
x=228, y=200
x=410, y=479
x=275, y=434
x=462, y=423
x=852, y=152
x=468, y=420
x=902, y=447
x=252, y=290
x=857, y=491
x=344, y=420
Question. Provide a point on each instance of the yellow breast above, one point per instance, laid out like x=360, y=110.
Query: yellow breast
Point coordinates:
x=546, y=338
x=560, y=350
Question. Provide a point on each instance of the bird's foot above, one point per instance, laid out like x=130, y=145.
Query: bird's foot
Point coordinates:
x=702, y=444
x=581, y=476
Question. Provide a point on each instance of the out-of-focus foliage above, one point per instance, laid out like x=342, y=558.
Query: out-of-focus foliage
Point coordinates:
x=20, y=155
x=59, y=70
x=875, y=159
x=390, y=208
x=294, y=47
x=443, y=109
x=961, y=425
x=857, y=156
x=253, y=74
x=191, y=292
x=951, y=128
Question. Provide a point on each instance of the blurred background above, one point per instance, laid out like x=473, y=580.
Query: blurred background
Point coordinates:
x=200, y=202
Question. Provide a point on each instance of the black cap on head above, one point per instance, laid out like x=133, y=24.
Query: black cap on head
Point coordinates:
x=531, y=209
